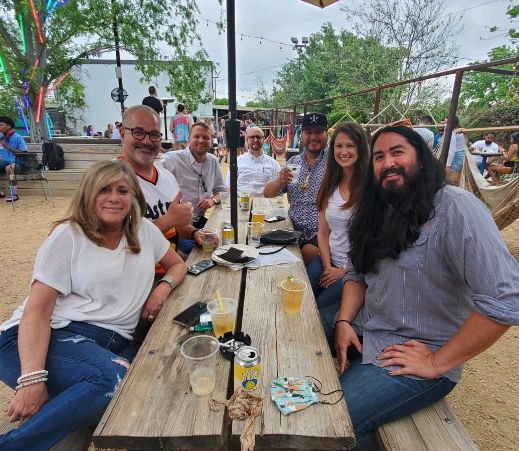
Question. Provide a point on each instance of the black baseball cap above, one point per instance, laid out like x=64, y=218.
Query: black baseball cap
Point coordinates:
x=315, y=120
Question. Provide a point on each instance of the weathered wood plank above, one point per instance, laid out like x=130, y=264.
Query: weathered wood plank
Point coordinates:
x=173, y=417
x=291, y=345
x=430, y=429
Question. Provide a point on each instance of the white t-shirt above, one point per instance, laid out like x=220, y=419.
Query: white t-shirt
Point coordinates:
x=254, y=173
x=338, y=220
x=426, y=134
x=97, y=285
x=482, y=146
x=457, y=145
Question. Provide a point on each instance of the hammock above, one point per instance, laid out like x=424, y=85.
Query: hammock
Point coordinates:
x=278, y=145
x=502, y=200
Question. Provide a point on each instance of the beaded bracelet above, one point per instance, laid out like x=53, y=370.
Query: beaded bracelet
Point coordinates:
x=342, y=321
x=33, y=375
x=26, y=384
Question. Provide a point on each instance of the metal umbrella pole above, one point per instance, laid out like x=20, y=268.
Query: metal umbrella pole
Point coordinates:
x=232, y=125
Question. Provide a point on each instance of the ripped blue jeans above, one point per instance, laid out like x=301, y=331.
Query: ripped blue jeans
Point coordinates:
x=86, y=363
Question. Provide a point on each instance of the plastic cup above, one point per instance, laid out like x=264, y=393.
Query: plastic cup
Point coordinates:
x=225, y=197
x=200, y=356
x=223, y=321
x=209, y=239
x=295, y=169
x=254, y=231
x=293, y=292
x=258, y=216
x=284, y=270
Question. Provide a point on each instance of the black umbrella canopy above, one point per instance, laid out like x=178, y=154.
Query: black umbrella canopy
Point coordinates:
x=233, y=125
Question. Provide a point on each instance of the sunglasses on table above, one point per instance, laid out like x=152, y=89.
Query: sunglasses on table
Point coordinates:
x=140, y=134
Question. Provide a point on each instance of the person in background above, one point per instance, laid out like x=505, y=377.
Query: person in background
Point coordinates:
x=222, y=141
x=153, y=101
x=345, y=170
x=456, y=156
x=180, y=126
x=302, y=196
x=511, y=160
x=426, y=133
x=486, y=145
x=255, y=169
x=243, y=131
x=66, y=348
x=116, y=133
x=109, y=131
x=11, y=144
x=432, y=285
x=90, y=131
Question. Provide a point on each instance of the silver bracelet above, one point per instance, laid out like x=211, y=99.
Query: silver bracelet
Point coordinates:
x=26, y=384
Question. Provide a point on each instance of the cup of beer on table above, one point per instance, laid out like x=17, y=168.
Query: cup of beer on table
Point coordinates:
x=293, y=292
x=258, y=216
x=209, y=239
x=223, y=315
x=200, y=356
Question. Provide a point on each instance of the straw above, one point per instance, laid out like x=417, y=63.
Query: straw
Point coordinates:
x=220, y=302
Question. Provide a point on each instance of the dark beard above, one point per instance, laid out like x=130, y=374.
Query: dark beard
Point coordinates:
x=394, y=194
x=488, y=142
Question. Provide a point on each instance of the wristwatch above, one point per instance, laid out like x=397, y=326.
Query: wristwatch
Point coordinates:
x=169, y=280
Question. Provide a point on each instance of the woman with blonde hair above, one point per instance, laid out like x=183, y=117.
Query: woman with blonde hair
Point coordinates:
x=67, y=347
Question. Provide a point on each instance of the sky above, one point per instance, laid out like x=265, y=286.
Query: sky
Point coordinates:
x=279, y=20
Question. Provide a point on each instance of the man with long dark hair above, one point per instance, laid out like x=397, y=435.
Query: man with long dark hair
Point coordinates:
x=434, y=285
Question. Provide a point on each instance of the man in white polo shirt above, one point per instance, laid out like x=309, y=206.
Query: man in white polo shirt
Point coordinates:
x=254, y=167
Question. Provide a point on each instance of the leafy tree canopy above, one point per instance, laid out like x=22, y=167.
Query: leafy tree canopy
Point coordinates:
x=151, y=30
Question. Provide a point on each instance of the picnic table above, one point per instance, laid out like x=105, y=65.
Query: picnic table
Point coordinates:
x=155, y=407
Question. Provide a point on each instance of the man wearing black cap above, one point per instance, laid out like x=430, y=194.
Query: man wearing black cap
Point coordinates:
x=302, y=193
x=11, y=143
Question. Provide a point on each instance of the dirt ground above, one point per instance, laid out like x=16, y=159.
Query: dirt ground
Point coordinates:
x=486, y=400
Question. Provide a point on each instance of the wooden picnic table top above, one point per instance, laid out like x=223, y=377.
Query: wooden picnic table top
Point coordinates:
x=155, y=406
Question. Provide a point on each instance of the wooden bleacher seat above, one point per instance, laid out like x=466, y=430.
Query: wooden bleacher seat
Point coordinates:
x=431, y=429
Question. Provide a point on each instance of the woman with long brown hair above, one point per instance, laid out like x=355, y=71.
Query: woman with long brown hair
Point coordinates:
x=347, y=163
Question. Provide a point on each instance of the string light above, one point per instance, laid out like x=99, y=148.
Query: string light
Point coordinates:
x=36, y=21
x=40, y=102
x=22, y=115
x=22, y=33
x=4, y=70
x=55, y=85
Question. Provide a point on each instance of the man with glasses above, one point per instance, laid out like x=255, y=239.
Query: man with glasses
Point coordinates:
x=140, y=138
x=197, y=172
x=302, y=195
x=255, y=168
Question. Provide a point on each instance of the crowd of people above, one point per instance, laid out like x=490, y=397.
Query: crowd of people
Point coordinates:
x=410, y=273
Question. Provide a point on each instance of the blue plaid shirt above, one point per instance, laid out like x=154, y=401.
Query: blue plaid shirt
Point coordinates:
x=303, y=210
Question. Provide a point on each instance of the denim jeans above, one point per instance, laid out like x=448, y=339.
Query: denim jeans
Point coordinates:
x=374, y=397
x=86, y=364
x=328, y=299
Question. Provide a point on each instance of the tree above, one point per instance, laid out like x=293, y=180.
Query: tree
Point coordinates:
x=481, y=90
x=37, y=54
x=335, y=63
x=420, y=32
x=221, y=101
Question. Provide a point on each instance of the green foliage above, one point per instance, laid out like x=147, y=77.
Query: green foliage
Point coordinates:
x=222, y=101
x=483, y=89
x=8, y=102
x=336, y=63
x=512, y=33
x=258, y=104
x=81, y=29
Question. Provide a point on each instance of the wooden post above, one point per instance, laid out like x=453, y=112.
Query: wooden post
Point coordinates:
x=452, y=112
x=376, y=108
x=305, y=109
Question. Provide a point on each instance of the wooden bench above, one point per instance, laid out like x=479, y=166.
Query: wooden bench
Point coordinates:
x=430, y=429
x=79, y=156
x=78, y=440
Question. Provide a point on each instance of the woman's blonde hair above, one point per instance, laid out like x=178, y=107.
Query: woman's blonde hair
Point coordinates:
x=81, y=210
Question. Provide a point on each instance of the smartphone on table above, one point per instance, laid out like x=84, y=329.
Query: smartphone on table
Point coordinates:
x=190, y=316
x=275, y=219
x=200, y=267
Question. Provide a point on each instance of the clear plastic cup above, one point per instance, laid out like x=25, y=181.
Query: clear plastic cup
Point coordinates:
x=258, y=216
x=293, y=292
x=223, y=320
x=209, y=239
x=200, y=356
x=225, y=197
x=254, y=231
x=284, y=270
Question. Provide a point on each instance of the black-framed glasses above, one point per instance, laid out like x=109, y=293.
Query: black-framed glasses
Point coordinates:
x=139, y=134
x=255, y=138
